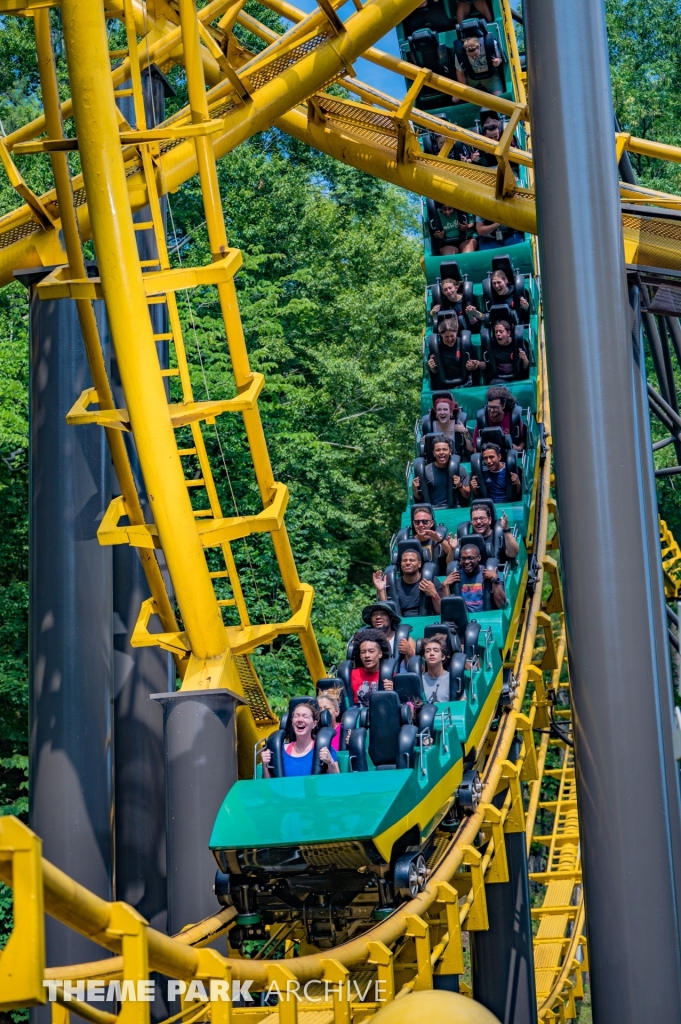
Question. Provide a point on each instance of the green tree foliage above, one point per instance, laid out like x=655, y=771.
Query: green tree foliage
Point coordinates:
x=331, y=302
x=645, y=65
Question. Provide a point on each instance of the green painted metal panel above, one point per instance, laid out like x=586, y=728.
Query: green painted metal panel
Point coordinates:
x=476, y=264
x=333, y=808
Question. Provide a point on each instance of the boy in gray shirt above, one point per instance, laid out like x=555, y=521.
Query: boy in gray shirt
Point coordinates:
x=435, y=679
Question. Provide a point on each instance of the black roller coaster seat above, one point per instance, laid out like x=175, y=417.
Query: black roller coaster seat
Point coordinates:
x=511, y=353
x=391, y=737
x=510, y=459
x=516, y=282
x=453, y=612
x=453, y=469
x=386, y=670
x=426, y=51
x=277, y=740
x=407, y=532
x=450, y=269
x=428, y=572
x=462, y=379
x=434, y=222
x=487, y=563
x=495, y=545
x=428, y=424
x=494, y=435
x=517, y=426
x=453, y=643
x=333, y=684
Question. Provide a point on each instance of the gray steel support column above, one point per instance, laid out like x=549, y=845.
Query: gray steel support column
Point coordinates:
x=614, y=605
x=70, y=621
x=141, y=671
x=199, y=731
x=502, y=958
x=502, y=961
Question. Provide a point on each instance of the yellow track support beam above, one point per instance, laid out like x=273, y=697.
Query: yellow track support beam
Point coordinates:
x=671, y=562
x=26, y=243
x=123, y=288
x=460, y=185
x=86, y=316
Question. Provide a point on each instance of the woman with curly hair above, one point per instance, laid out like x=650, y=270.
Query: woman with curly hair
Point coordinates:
x=369, y=649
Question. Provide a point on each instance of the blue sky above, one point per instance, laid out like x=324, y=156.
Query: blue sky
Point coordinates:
x=372, y=74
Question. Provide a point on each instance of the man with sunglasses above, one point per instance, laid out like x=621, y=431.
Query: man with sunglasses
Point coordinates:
x=434, y=548
x=471, y=576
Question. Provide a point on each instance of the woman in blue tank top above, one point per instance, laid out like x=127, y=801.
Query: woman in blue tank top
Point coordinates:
x=298, y=755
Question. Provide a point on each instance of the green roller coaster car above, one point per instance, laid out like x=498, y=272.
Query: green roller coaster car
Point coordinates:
x=345, y=847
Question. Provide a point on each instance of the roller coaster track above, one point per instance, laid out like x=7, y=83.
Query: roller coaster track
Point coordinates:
x=285, y=85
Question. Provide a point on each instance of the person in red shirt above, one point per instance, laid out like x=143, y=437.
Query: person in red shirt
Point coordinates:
x=369, y=649
x=500, y=402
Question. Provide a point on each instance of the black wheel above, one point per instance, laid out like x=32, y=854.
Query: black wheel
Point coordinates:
x=469, y=792
x=421, y=872
x=406, y=875
x=509, y=690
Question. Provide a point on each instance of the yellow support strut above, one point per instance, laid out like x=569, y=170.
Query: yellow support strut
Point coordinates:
x=113, y=233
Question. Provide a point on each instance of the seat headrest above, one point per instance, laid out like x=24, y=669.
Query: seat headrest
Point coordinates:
x=453, y=611
x=485, y=503
x=408, y=685
x=412, y=544
x=424, y=35
x=428, y=442
x=474, y=540
x=434, y=630
x=422, y=507
x=442, y=394
x=449, y=314
x=494, y=435
x=329, y=684
x=450, y=268
x=286, y=718
x=472, y=27
x=501, y=311
x=295, y=701
x=504, y=263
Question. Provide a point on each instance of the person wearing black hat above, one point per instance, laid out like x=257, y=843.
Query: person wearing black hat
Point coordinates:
x=410, y=586
x=381, y=615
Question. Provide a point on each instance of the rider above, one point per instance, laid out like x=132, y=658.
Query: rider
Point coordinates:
x=472, y=578
x=381, y=615
x=298, y=756
x=369, y=648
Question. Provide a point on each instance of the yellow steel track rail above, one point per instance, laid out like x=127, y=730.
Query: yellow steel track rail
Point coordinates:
x=671, y=562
